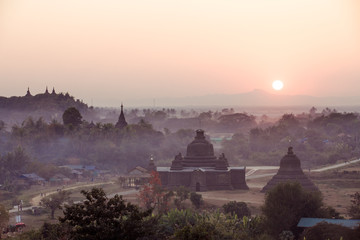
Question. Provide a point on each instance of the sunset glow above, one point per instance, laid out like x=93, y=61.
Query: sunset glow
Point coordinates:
x=112, y=51
x=277, y=85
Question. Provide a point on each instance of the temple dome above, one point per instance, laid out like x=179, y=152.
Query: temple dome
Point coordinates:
x=200, y=147
x=290, y=162
x=199, y=153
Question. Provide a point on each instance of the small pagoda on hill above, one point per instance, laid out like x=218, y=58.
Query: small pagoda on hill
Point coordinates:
x=290, y=171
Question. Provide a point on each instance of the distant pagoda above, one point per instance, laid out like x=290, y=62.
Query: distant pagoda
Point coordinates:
x=28, y=94
x=46, y=91
x=121, y=123
x=290, y=171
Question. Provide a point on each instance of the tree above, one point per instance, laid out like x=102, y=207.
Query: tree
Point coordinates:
x=72, y=116
x=354, y=210
x=4, y=218
x=238, y=208
x=55, y=201
x=196, y=199
x=153, y=195
x=286, y=203
x=289, y=120
x=101, y=218
x=182, y=193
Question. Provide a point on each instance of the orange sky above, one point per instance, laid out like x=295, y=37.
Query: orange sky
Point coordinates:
x=112, y=51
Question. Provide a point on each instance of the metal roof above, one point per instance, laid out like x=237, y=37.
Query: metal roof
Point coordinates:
x=33, y=177
x=203, y=169
x=310, y=222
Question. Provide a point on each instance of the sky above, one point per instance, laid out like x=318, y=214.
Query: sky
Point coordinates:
x=113, y=51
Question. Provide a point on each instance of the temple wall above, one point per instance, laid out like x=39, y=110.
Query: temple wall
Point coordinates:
x=238, y=179
x=205, y=181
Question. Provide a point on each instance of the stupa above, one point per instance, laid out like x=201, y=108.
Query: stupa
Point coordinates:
x=290, y=171
x=201, y=170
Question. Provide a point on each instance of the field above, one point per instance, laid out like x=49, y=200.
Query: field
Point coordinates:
x=335, y=185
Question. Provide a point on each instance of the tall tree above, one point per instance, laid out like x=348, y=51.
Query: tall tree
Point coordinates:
x=4, y=218
x=55, y=201
x=72, y=116
x=101, y=218
x=286, y=203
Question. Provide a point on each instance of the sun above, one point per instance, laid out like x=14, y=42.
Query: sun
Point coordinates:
x=277, y=85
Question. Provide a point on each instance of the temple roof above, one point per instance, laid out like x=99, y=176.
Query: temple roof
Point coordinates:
x=200, y=147
x=200, y=154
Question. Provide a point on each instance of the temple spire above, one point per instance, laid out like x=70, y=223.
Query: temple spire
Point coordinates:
x=46, y=91
x=53, y=91
x=28, y=94
x=121, y=123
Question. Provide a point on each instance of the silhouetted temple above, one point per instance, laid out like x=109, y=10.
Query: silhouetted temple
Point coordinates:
x=290, y=171
x=43, y=101
x=200, y=170
x=121, y=123
x=28, y=94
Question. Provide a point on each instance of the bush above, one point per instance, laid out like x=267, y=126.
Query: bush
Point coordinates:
x=196, y=199
x=238, y=208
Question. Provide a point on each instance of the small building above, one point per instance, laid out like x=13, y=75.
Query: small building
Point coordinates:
x=59, y=179
x=310, y=222
x=290, y=171
x=32, y=178
x=135, y=177
x=201, y=170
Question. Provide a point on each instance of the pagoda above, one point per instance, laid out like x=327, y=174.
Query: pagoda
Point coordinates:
x=121, y=123
x=201, y=170
x=28, y=94
x=290, y=171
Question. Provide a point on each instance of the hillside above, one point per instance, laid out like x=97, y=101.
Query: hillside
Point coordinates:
x=44, y=101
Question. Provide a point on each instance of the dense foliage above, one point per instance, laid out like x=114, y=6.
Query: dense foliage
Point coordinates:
x=287, y=203
x=101, y=218
x=317, y=138
x=354, y=210
x=238, y=208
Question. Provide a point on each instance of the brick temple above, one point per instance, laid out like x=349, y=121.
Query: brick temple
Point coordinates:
x=201, y=170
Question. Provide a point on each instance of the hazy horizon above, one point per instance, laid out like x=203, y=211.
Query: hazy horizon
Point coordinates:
x=110, y=52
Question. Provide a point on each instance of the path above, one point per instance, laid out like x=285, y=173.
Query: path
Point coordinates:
x=35, y=201
x=336, y=166
x=253, y=169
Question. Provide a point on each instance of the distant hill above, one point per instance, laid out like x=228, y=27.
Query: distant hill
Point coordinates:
x=45, y=101
x=253, y=98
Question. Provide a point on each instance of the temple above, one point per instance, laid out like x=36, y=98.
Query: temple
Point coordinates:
x=200, y=170
x=28, y=94
x=290, y=171
x=121, y=123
